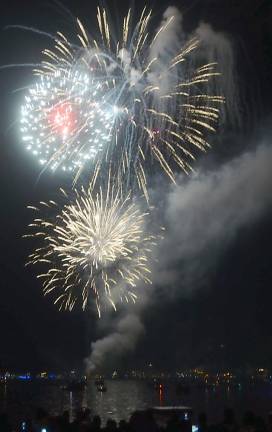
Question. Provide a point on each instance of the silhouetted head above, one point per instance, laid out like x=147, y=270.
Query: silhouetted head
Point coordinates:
x=202, y=419
x=96, y=422
x=41, y=413
x=65, y=415
x=229, y=417
x=249, y=418
x=111, y=425
x=123, y=425
x=79, y=416
x=3, y=419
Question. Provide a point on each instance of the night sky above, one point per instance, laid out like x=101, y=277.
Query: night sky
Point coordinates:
x=226, y=319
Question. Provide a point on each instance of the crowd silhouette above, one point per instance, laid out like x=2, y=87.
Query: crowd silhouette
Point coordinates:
x=140, y=421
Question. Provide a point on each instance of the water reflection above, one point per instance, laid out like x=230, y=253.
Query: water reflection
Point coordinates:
x=71, y=408
x=124, y=397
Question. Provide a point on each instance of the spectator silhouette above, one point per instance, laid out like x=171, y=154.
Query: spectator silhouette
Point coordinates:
x=260, y=425
x=96, y=424
x=4, y=423
x=249, y=422
x=142, y=421
x=124, y=426
x=41, y=419
x=229, y=423
x=173, y=425
x=202, y=422
x=63, y=421
x=269, y=426
x=111, y=426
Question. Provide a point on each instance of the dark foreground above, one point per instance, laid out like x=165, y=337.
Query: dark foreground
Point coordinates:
x=140, y=421
x=124, y=397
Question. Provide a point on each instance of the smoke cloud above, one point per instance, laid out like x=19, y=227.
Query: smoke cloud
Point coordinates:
x=169, y=39
x=217, y=47
x=166, y=45
x=122, y=340
x=213, y=47
x=203, y=212
x=203, y=215
x=134, y=75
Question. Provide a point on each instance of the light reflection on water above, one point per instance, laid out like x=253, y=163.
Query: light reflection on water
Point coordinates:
x=124, y=397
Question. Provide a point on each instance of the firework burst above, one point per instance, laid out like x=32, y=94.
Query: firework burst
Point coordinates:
x=65, y=120
x=157, y=103
x=95, y=243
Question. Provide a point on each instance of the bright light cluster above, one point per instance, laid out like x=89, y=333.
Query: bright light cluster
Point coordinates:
x=96, y=243
x=127, y=98
x=116, y=102
x=65, y=120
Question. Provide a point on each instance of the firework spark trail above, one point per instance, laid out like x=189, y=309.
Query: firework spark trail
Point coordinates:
x=95, y=243
x=66, y=128
x=159, y=107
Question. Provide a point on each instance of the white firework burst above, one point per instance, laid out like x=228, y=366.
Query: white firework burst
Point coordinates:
x=95, y=244
x=65, y=120
x=161, y=104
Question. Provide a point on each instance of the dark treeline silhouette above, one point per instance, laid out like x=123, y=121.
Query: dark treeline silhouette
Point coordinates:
x=140, y=421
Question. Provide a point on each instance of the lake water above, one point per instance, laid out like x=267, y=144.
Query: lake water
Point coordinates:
x=124, y=397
